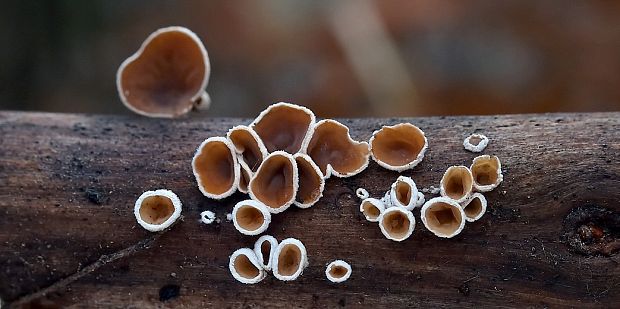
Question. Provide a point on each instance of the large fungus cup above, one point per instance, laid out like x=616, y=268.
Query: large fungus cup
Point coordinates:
x=372, y=209
x=284, y=126
x=265, y=248
x=276, y=181
x=487, y=173
x=289, y=260
x=338, y=271
x=251, y=217
x=249, y=145
x=215, y=168
x=443, y=217
x=404, y=193
x=157, y=210
x=397, y=223
x=457, y=183
x=167, y=76
x=311, y=182
x=335, y=152
x=245, y=267
x=399, y=147
x=474, y=207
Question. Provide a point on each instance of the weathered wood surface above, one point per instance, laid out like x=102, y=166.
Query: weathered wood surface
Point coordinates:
x=68, y=235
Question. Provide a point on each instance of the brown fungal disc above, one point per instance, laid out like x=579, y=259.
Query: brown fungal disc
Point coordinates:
x=275, y=183
x=372, y=209
x=157, y=210
x=398, y=147
x=265, y=248
x=284, y=126
x=334, y=152
x=443, y=217
x=338, y=271
x=167, y=76
x=290, y=259
x=457, y=183
x=251, y=217
x=215, y=168
x=397, y=223
x=244, y=266
x=249, y=145
x=487, y=172
x=474, y=207
x=311, y=182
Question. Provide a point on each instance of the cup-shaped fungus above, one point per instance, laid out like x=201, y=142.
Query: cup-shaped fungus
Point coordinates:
x=284, y=126
x=245, y=267
x=397, y=223
x=289, y=260
x=398, y=147
x=474, y=207
x=157, y=210
x=276, y=181
x=167, y=76
x=372, y=208
x=404, y=193
x=476, y=142
x=443, y=217
x=457, y=183
x=251, y=217
x=311, y=182
x=335, y=152
x=248, y=145
x=487, y=173
x=215, y=168
x=338, y=271
x=245, y=175
x=265, y=248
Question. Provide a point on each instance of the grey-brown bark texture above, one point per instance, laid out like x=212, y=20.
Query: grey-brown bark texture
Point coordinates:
x=68, y=235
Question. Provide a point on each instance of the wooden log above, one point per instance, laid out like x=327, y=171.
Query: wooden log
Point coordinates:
x=68, y=235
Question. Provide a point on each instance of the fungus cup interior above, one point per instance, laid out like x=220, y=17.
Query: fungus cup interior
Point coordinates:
x=474, y=208
x=273, y=183
x=443, y=218
x=457, y=182
x=475, y=140
x=309, y=182
x=398, y=145
x=249, y=218
x=331, y=144
x=338, y=271
x=265, y=249
x=485, y=170
x=289, y=260
x=403, y=192
x=156, y=209
x=215, y=166
x=245, y=268
x=244, y=180
x=396, y=224
x=166, y=76
x=248, y=146
x=370, y=210
x=283, y=128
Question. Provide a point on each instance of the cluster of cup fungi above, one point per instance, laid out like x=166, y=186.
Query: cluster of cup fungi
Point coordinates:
x=283, y=158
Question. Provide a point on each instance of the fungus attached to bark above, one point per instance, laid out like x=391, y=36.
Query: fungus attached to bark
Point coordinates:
x=284, y=126
x=265, y=248
x=289, y=260
x=487, y=173
x=476, y=142
x=276, y=181
x=244, y=266
x=474, y=207
x=249, y=145
x=443, y=217
x=251, y=217
x=372, y=209
x=404, y=193
x=311, y=182
x=399, y=147
x=157, y=210
x=397, y=223
x=338, y=271
x=335, y=152
x=215, y=168
x=167, y=76
x=457, y=183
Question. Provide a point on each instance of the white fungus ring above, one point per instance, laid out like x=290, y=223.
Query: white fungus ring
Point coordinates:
x=484, y=141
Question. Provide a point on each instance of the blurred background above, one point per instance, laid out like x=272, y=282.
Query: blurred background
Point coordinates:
x=340, y=58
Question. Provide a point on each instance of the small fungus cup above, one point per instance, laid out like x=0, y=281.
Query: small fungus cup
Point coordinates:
x=284, y=126
x=338, y=271
x=487, y=173
x=311, y=182
x=372, y=209
x=399, y=147
x=289, y=260
x=245, y=268
x=404, y=193
x=207, y=217
x=276, y=182
x=474, y=207
x=265, y=248
x=443, y=217
x=157, y=210
x=457, y=183
x=249, y=145
x=476, y=142
x=251, y=217
x=396, y=223
x=215, y=168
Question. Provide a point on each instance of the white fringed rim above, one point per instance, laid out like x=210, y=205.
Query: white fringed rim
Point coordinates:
x=287, y=204
x=403, y=167
x=303, y=260
x=413, y=199
x=236, y=169
x=372, y=203
x=317, y=171
x=471, y=217
x=338, y=278
x=251, y=132
x=176, y=203
x=251, y=256
x=453, y=205
x=500, y=176
x=207, y=217
x=385, y=225
x=468, y=177
x=303, y=109
x=258, y=250
x=254, y=206
x=484, y=141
